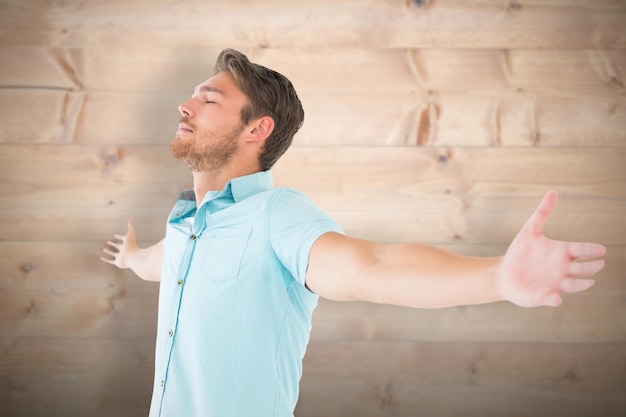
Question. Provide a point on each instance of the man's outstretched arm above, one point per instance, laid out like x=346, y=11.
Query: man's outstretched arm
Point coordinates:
x=535, y=270
x=124, y=253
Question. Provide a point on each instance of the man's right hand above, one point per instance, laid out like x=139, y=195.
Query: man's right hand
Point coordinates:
x=124, y=253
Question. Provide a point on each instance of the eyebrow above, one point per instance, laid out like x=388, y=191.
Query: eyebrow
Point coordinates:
x=207, y=89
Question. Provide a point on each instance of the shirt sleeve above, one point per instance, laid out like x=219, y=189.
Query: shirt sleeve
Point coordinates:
x=294, y=224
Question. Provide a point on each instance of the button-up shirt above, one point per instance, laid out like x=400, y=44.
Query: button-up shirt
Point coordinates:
x=234, y=312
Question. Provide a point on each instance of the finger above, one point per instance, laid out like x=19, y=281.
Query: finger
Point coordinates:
x=114, y=244
x=120, y=237
x=576, y=285
x=537, y=220
x=585, y=269
x=553, y=300
x=107, y=260
x=110, y=252
x=585, y=250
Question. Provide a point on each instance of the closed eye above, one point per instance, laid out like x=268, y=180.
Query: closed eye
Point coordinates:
x=206, y=91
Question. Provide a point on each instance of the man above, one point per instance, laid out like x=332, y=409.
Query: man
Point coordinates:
x=242, y=263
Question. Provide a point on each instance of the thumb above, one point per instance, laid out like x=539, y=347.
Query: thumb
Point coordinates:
x=131, y=227
x=543, y=211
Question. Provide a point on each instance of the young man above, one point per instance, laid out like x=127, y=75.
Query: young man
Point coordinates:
x=242, y=263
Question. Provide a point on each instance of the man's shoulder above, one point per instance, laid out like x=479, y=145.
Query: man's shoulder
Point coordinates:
x=281, y=195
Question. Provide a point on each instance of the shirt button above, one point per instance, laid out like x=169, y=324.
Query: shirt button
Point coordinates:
x=171, y=333
x=180, y=282
x=193, y=237
x=162, y=383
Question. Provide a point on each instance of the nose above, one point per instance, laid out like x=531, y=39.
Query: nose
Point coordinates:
x=186, y=108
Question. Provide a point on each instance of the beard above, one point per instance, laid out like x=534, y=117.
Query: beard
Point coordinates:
x=207, y=151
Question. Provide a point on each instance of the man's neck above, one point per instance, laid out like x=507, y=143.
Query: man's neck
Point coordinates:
x=204, y=182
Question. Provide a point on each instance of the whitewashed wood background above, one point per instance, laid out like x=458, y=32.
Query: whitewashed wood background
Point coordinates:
x=430, y=120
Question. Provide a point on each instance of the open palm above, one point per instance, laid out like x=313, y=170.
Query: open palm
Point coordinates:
x=120, y=250
x=536, y=270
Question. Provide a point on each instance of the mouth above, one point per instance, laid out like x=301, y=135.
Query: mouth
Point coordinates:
x=184, y=128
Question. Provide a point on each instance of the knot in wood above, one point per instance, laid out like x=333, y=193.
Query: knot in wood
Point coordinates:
x=388, y=397
x=572, y=376
x=27, y=267
x=514, y=6
x=110, y=160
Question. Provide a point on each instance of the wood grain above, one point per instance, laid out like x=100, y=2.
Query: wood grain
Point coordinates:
x=54, y=289
x=571, y=72
x=502, y=117
x=73, y=377
x=276, y=24
x=439, y=379
x=505, y=97
x=386, y=194
x=435, y=121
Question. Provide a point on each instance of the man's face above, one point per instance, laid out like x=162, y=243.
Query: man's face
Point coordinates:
x=210, y=128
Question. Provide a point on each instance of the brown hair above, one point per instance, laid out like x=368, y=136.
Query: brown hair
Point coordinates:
x=269, y=94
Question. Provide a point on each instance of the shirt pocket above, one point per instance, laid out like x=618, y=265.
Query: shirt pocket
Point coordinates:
x=224, y=250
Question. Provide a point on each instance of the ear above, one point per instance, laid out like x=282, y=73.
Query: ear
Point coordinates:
x=261, y=129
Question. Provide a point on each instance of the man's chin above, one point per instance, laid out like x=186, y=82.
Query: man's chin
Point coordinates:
x=179, y=149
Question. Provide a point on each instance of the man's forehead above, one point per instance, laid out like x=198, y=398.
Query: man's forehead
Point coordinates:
x=222, y=83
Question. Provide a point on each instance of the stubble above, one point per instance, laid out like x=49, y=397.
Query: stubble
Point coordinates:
x=207, y=151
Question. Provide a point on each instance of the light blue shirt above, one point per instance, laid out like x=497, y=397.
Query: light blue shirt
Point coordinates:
x=234, y=313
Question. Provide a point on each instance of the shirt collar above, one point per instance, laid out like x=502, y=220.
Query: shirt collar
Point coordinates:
x=239, y=188
x=248, y=185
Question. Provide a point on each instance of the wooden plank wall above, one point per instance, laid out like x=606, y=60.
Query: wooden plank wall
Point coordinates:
x=431, y=120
